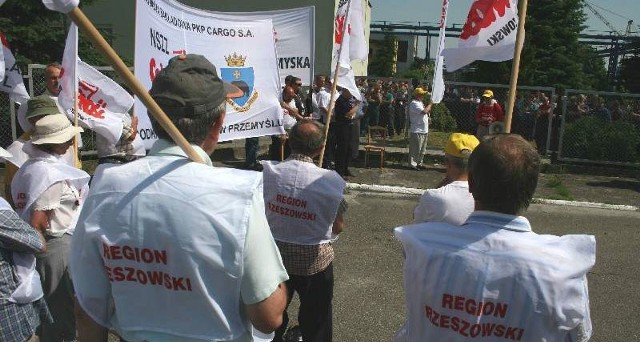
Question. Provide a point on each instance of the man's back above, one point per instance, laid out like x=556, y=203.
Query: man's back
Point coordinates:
x=451, y=203
x=495, y=278
x=166, y=238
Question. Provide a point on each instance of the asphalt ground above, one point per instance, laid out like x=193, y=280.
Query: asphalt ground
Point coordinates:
x=369, y=297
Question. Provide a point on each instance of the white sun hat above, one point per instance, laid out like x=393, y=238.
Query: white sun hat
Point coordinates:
x=54, y=129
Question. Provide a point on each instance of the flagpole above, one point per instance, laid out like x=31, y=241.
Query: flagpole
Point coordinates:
x=75, y=100
x=334, y=86
x=515, y=69
x=80, y=19
x=75, y=117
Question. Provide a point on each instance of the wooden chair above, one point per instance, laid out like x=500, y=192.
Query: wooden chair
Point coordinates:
x=376, y=142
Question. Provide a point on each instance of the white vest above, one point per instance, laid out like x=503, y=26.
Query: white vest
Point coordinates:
x=41, y=171
x=19, y=157
x=301, y=201
x=170, y=236
x=29, y=288
x=482, y=283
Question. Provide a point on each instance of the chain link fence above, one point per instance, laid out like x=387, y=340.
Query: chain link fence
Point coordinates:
x=600, y=127
x=533, y=106
x=35, y=82
x=583, y=126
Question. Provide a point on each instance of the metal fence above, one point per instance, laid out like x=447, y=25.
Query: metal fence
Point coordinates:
x=531, y=108
x=600, y=127
x=584, y=126
x=35, y=82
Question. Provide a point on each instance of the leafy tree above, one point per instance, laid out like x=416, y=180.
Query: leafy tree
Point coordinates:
x=384, y=60
x=630, y=70
x=552, y=55
x=421, y=69
x=37, y=35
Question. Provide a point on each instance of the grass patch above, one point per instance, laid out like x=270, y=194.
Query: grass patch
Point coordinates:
x=561, y=190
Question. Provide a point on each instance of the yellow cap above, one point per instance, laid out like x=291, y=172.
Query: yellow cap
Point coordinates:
x=487, y=93
x=419, y=92
x=459, y=143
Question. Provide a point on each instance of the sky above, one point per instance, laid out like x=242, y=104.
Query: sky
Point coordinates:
x=617, y=12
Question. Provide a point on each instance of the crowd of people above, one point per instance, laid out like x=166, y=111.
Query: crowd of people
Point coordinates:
x=151, y=240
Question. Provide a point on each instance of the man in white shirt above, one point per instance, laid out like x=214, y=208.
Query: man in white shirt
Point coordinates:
x=451, y=202
x=173, y=250
x=495, y=278
x=419, y=117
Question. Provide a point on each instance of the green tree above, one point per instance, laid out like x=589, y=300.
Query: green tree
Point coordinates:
x=630, y=69
x=384, y=59
x=552, y=55
x=37, y=35
x=421, y=69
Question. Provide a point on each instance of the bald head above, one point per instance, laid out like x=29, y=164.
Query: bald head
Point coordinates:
x=503, y=174
x=307, y=137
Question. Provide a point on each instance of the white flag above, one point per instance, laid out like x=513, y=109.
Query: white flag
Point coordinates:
x=488, y=35
x=438, y=80
x=2, y=65
x=101, y=101
x=349, y=43
x=63, y=6
x=68, y=74
x=12, y=82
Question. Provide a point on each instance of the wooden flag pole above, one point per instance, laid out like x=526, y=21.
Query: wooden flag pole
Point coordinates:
x=80, y=19
x=334, y=85
x=76, y=159
x=513, y=84
x=332, y=104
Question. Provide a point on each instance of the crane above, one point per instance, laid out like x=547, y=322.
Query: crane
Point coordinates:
x=617, y=49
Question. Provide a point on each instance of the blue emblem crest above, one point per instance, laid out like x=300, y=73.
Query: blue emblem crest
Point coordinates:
x=241, y=77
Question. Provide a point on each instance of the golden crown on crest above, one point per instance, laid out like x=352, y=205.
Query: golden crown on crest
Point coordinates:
x=235, y=60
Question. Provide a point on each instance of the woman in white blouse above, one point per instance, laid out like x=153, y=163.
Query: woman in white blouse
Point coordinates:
x=48, y=194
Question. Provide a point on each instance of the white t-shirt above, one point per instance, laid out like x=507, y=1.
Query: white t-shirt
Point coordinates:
x=319, y=100
x=452, y=203
x=418, y=119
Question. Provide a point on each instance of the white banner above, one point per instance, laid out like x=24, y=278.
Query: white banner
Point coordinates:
x=349, y=43
x=294, y=30
x=243, y=52
x=437, y=87
x=12, y=82
x=488, y=35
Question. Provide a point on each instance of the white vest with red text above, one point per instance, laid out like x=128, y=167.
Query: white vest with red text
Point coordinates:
x=40, y=172
x=29, y=288
x=301, y=201
x=479, y=283
x=170, y=236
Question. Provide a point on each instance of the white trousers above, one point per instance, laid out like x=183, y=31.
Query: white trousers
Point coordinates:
x=417, y=148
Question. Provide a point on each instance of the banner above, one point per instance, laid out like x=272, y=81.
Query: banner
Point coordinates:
x=349, y=43
x=243, y=52
x=488, y=35
x=437, y=87
x=294, y=31
x=12, y=82
x=102, y=103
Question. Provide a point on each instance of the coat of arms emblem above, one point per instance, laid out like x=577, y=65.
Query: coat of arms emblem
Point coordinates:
x=242, y=77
